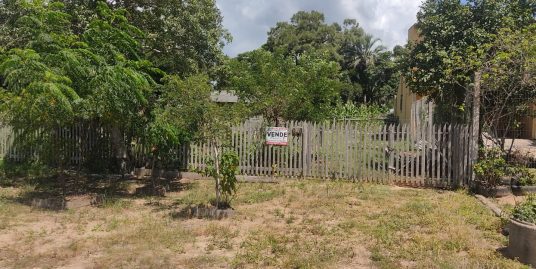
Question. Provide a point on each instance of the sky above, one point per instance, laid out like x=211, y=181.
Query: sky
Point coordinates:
x=250, y=20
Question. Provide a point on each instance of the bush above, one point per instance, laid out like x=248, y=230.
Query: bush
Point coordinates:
x=526, y=211
x=490, y=168
x=523, y=176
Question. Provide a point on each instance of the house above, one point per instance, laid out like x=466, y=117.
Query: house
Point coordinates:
x=414, y=110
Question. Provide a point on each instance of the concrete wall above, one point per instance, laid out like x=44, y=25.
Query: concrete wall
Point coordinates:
x=404, y=97
x=404, y=100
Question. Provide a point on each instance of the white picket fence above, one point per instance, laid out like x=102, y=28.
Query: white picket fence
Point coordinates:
x=434, y=155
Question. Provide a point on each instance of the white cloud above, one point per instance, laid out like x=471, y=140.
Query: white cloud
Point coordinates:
x=250, y=20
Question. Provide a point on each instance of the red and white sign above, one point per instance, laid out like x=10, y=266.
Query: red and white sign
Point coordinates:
x=277, y=136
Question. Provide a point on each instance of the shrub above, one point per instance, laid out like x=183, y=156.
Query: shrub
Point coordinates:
x=228, y=168
x=523, y=176
x=490, y=168
x=526, y=211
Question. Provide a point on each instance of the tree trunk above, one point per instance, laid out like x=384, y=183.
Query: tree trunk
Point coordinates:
x=118, y=146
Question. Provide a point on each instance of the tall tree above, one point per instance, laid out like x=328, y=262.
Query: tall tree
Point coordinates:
x=509, y=83
x=363, y=52
x=454, y=38
x=277, y=88
x=181, y=37
x=56, y=77
x=306, y=32
x=366, y=68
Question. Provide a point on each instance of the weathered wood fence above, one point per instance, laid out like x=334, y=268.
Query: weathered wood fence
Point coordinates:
x=434, y=155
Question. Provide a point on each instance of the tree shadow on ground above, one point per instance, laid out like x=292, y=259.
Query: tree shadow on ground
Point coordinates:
x=48, y=192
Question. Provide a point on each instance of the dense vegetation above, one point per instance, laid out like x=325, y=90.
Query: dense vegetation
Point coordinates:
x=494, y=38
x=145, y=70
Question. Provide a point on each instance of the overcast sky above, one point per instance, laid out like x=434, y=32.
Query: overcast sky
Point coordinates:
x=250, y=20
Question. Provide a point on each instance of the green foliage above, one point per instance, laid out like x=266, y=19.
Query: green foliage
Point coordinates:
x=184, y=113
x=228, y=169
x=53, y=76
x=307, y=32
x=224, y=175
x=368, y=70
x=276, y=87
x=523, y=176
x=181, y=37
x=526, y=211
x=442, y=63
x=509, y=81
x=490, y=168
x=362, y=112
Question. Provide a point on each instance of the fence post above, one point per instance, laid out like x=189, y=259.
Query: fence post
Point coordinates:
x=305, y=138
x=390, y=148
x=475, y=124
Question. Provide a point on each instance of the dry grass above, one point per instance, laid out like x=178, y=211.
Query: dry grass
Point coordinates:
x=292, y=224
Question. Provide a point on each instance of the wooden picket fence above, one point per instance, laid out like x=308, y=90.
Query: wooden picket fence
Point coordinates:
x=434, y=155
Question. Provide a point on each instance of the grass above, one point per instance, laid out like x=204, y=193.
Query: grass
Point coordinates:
x=291, y=224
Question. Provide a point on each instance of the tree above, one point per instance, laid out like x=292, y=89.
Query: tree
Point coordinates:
x=363, y=52
x=181, y=37
x=452, y=49
x=98, y=75
x=509, y=83
x=306, y=32
x=366, y=68
x=277, y=88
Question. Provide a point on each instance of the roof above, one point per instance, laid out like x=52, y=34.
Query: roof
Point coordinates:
x=223, y=97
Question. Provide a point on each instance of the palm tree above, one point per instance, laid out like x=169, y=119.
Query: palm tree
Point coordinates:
x=364, y=52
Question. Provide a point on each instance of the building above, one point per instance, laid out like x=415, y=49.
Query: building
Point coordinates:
x=412, y=109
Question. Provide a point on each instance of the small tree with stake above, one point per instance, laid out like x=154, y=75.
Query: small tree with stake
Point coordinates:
x=224, y=165
x=185, y=113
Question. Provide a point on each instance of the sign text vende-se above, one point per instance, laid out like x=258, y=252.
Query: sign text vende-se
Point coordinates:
x=277, y=136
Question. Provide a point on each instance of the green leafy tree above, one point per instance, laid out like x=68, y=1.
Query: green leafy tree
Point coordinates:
x=366, y=67
x=453, y=47
x=277, y=88
x=181, y=37
x=98, y=75
x=36, y=96
x=508, y=83
x=307, y=32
